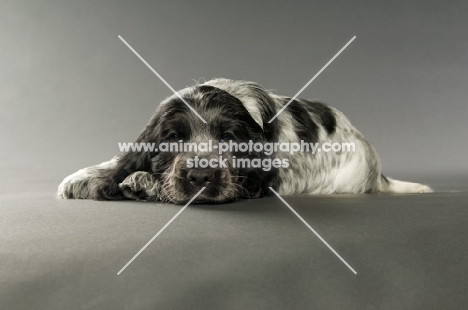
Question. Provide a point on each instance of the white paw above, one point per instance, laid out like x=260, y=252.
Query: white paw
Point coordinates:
x=424, y=189
x=75, y=185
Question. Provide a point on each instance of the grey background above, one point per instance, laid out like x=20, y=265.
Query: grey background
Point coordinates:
x=70, y=89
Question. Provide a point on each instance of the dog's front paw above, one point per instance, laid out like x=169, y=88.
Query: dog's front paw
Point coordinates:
x=424, y=189
x=132, y=191
x=74, y=186
x=140, y=185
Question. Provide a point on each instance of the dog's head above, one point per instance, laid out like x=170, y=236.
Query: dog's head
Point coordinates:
x=184, y=162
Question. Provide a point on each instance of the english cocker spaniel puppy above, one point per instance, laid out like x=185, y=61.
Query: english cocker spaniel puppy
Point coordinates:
x=301, y=151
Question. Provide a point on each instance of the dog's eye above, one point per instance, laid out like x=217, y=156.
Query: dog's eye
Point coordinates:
x=227, y=136
x=174, y=137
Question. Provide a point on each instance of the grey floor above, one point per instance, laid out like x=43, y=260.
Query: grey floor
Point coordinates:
x=409, y=251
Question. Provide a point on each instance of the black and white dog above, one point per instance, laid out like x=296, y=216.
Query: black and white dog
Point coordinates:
x=237, y=111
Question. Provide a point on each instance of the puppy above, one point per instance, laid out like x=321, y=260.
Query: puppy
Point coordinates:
x=237, y=111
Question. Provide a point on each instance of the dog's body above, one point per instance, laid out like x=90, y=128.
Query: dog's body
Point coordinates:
x=240, y=111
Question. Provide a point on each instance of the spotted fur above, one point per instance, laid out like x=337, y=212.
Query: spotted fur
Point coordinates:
x=243, y=108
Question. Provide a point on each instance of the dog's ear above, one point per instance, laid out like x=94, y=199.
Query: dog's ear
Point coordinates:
x=261, y=106
x=252, y=106
x=255, y=99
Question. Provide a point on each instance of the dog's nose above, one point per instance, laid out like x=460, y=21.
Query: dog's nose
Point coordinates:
x=200, y=177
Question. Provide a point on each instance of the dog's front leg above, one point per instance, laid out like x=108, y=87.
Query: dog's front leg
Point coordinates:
x=80, y=185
